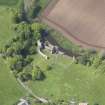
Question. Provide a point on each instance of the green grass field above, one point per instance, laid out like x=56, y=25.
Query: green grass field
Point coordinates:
x=6, y=32
x=8, y=2
x=68, y=80
x=10, y=90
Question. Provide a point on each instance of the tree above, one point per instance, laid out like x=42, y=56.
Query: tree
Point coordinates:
x=102, y=55
x=83, y=60
x=37, y=35
x=37, y=75
x=97, y=61
x=16, y=18
x=40, y=75
x=33, y=9
x=9, y=51
x=18, y=66
x=22, y=13
x=32, y=50
x=13, y=61
x=24, y=76
x=33, y=74
x=102, y=67
x=96, y=104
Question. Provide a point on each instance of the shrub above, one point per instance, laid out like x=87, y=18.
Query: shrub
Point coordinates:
x=96, y=104
x=38, y=75
x=83, y=60
x=49, y=67
x=97, y=62
x=102, y=55
x=16, y=18
x=25, y=77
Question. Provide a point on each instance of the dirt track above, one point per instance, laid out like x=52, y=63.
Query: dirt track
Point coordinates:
x=82, y=21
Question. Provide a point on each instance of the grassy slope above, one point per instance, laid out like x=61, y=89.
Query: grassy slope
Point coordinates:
x=66, y=81
x=10, y=90
x=6, y=32
x=8, y=2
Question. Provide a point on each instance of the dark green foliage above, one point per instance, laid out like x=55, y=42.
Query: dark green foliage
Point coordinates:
x=24, y=44
x=20, y=15
x=96, y=104
x=25, y=77
x=49, y=67
x=35, y=7
x=16, y=18
x=86, y=57
x=21, y=48
x=35, y=11
x=8, y=2
x=97, y=62
x=102, y=55
x=101, y=67
x=40, y=75
x=37, y=74
x=83, y=60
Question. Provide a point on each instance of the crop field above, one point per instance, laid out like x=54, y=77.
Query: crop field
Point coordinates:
x=82, y=21
x=67, y=80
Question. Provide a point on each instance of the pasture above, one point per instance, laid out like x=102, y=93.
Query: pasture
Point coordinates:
x=6, y=32
x=8, y=2
x=80, y=21
x=10, y=90
x=67, y=80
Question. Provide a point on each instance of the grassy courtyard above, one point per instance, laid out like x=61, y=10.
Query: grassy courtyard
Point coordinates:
x=68, y=80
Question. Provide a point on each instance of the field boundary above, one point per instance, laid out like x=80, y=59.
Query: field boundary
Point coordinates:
x=44, y=17
x=49, y=7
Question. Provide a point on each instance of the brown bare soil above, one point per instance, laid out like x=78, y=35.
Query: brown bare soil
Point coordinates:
x=82, y=21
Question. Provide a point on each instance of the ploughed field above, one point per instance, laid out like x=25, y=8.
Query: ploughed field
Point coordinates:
x=82, y=21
